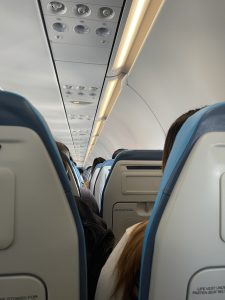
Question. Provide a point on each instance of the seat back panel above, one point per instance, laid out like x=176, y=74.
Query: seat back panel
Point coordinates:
x=188, y=239
x=130, y=193
x=7, y=206
x=46, y=240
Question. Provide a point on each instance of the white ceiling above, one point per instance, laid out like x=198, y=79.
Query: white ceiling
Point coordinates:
x=81, y=60
x=25, y=62
x=181, y=66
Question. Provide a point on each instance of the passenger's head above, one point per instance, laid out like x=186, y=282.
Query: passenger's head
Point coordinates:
x=118, y=151
x=96, y=161
x=63, y=149
x=64, y=153
x=172, y=133
x=81, y=170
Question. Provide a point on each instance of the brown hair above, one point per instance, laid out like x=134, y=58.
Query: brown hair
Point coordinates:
x=171, y=134
x=64, y=153
x=129, y=262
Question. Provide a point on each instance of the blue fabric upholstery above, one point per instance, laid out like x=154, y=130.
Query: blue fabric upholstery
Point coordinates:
x=208, y=119
x=108, y=162
x=98, y=166
x=77, y=175
x=17, y=111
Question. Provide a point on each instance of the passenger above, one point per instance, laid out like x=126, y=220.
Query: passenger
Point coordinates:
x=86, y=174
x=81, y=170
x=118, y=151
x=120, y=275
x=96, y=161
x=99, y=240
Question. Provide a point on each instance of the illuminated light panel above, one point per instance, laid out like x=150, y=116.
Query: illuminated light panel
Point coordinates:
x=108, y=94
x=137, y=10
x=96, y=128
x=140, y=20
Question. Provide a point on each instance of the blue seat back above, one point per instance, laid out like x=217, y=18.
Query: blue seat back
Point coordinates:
x=208, y=120
x=16, y=112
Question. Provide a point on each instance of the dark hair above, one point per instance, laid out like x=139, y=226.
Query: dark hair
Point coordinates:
x=97, y=160
x=64, y=152
x=118, y=151
x=172, y=132
x=128, y=264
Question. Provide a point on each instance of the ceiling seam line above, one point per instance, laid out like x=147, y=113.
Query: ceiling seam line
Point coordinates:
x=149, y=107
x=77, y=62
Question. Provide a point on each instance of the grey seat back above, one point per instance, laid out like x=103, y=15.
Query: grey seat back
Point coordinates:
x=131, y=188
x=42, y=249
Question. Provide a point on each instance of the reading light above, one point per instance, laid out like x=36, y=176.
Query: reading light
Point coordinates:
x=59, y=27
x=81, y=29
x=106, y=12
x=103, y=31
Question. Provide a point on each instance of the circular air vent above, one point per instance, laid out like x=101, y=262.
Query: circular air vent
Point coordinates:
x=82, y=10
x=106, y=13
x=56, y=7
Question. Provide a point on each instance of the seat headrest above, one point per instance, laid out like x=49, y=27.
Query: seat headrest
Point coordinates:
x=98, y=166
x=17, y=111
x=208, y=119
x=107, y=163
x=139, y=155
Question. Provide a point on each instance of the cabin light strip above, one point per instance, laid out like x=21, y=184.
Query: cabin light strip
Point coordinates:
x=141, y=18
x=134, y=20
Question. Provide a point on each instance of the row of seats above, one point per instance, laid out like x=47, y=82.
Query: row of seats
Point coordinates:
x=42, y=250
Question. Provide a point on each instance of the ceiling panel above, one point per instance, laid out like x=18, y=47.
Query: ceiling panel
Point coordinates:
x=81, y=81
x=25, y=60
x=81, y=36
x=81, y=54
